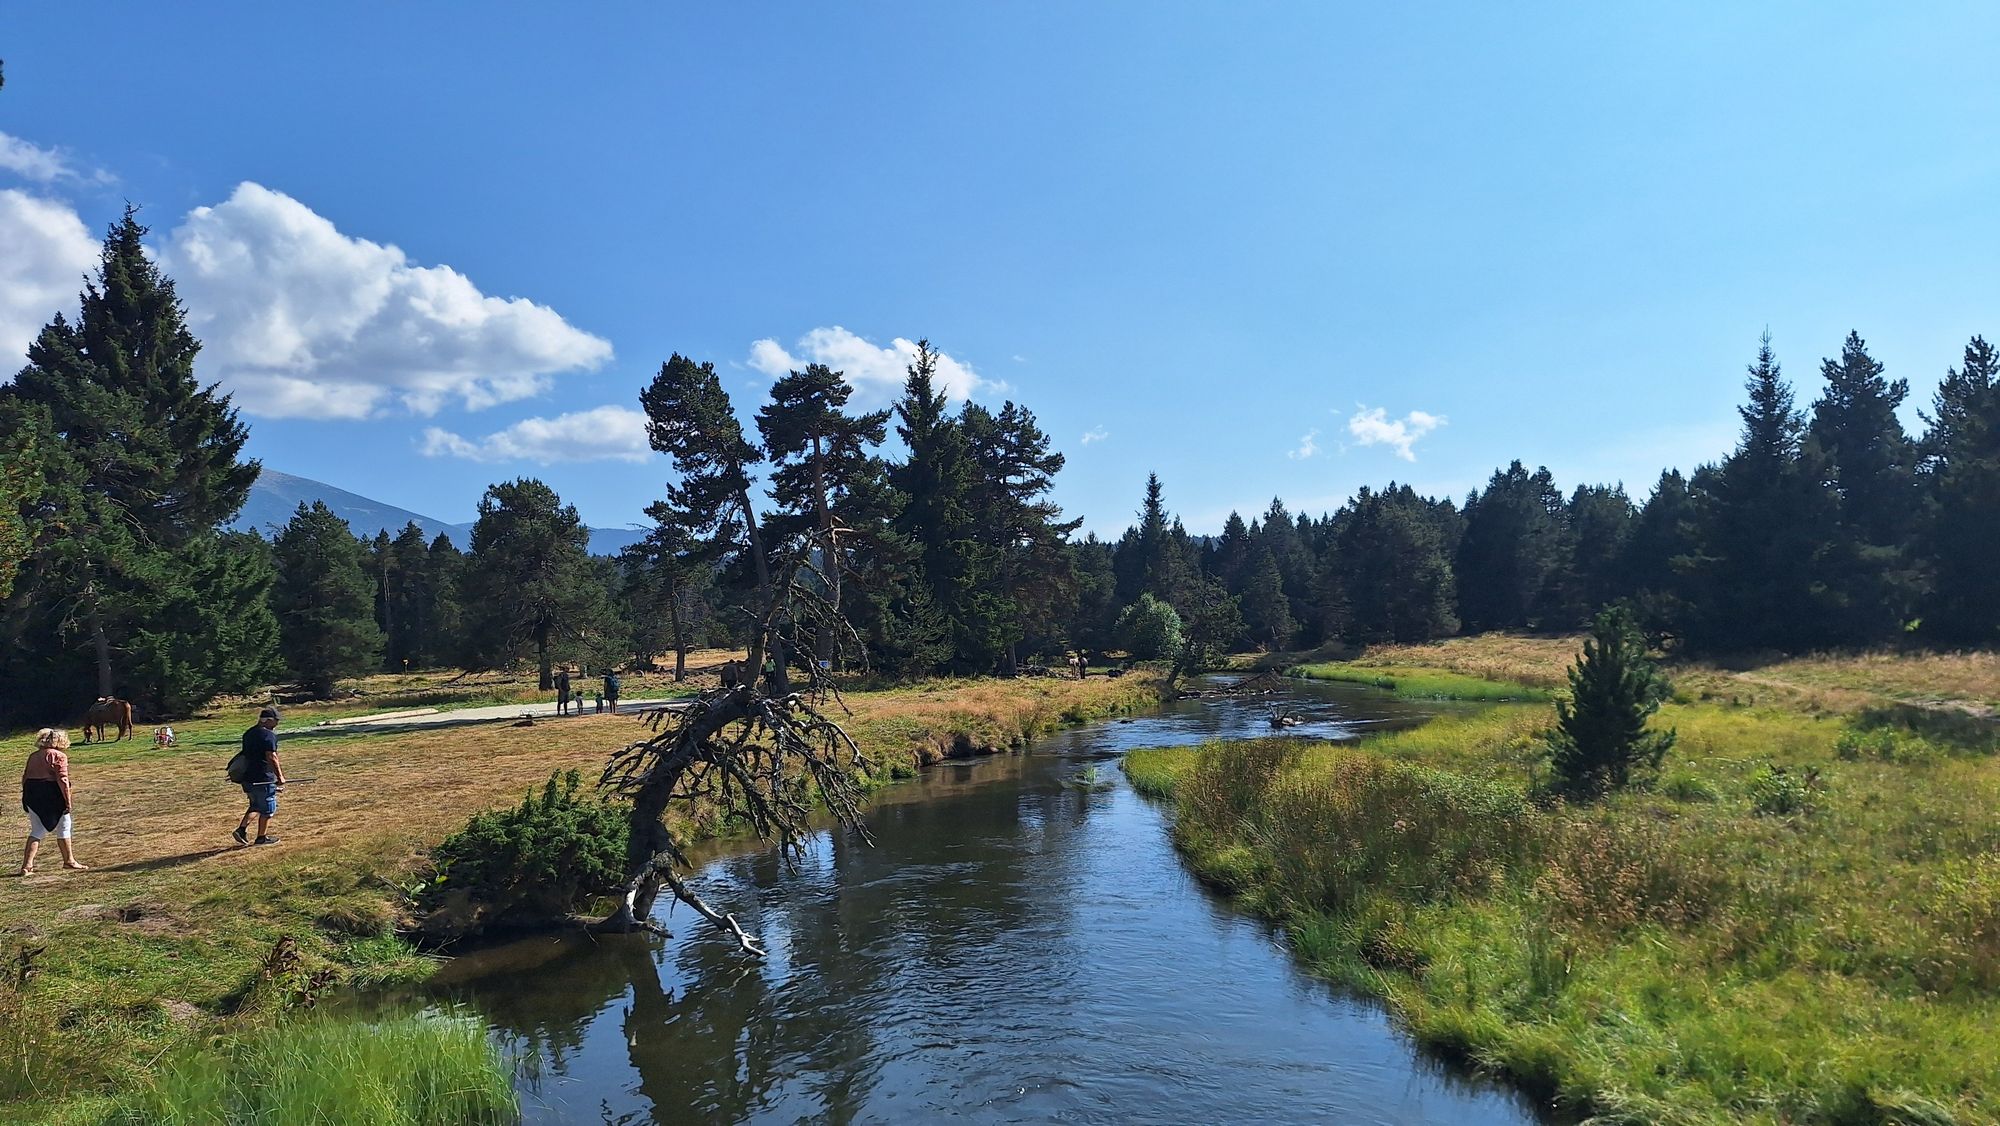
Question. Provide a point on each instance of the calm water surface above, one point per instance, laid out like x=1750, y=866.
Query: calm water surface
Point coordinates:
x=1015, y=947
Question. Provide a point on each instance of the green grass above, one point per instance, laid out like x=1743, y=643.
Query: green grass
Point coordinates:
x=422, y=1070
x=1435, y=684
x=1672, y=955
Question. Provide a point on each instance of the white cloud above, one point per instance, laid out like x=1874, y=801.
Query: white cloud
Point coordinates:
x=300, y=320
x=875, y=371
x=31, y=161
x=607, y=433
x=48, y=251
x=1307, y=446
x=1373, y=427
x=1095, y=434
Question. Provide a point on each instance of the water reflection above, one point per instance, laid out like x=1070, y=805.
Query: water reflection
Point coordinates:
x=1015, y=947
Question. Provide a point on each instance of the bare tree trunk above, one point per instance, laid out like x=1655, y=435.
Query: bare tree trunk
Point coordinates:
x=548, y=681
x=102, y=642
x=680, y=637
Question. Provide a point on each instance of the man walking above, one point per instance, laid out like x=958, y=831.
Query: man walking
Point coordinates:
x=562, y=691
x=263, y=774
x=611, y=691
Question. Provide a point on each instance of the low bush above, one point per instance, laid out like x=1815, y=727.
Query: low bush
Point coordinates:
x=542, y=860
x=1777, y=792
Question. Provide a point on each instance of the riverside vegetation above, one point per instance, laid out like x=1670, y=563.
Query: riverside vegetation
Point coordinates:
x=1798, y=921
x=177, y=948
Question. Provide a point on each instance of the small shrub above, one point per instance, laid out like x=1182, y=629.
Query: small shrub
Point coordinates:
x=1777, y=792
x=1149, y=629
x=1689, y=788
x=540, y=861
x=1601, y=741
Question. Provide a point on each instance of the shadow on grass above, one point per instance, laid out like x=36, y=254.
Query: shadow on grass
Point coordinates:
x=160, y=862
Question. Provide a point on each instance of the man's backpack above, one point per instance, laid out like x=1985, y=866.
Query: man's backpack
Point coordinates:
x=239, y=767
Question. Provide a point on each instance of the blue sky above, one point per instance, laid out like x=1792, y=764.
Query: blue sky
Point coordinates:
x=1262, y=249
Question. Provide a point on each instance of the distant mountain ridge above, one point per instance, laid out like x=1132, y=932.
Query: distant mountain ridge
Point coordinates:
x=276, y=496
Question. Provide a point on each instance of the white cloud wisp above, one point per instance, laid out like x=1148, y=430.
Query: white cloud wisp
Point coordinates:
x=606, y=433
x=875, y=371
x=1095, y=434
x=31, y=161
x=1372, y=426
x=302, y=321
x=1308, y=445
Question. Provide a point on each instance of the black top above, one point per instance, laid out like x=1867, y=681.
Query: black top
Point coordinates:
x=259, y=744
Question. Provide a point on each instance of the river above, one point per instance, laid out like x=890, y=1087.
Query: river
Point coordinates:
x=1017, y=946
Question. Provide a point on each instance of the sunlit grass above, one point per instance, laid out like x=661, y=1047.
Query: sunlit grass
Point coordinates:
x=165, y=942
x=1672, y=955
x=1431, y=684
x=423, y=1070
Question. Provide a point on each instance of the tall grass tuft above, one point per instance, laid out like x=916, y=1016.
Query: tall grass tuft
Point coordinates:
x=423, y=1070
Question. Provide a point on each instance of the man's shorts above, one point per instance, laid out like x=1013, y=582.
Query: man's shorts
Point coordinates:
x=37, y=830
x=263, y=798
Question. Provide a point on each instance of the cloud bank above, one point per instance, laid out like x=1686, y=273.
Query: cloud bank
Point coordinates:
x=47, y=252
x=301, y=321
x=1372, y=426
x=875, y=371
x=607, y=433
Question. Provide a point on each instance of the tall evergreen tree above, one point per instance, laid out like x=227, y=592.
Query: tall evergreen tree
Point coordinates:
x=936, y=480
x=1597, y=524
x=1394, y=554
x=1767, y=518
x=323, y=600
x=143, y=468
x=1659, y=555
x=1267, y=613
x=1873, y=574
x=529, y=580
x=444, y=575
x=1020, y=531
x=819, y=455
x=1962, y=450
x=1513, y=543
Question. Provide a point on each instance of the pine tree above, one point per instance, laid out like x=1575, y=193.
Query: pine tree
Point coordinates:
x=444, y=640
x=142, y=470
x=936, y=480
x=1874, y=578
x=323, y=600
x=1601, y=738
x=1597, y=524
x=1962, y=448
x=819, y=457
x=1267, y=613
x=1019, y=529
x=1513, y=543
x=529, y=579
x=1767, y=518
x=1394, y=555
x=1659, y=554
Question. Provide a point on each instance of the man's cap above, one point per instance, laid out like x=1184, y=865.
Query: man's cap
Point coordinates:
x=268, y=713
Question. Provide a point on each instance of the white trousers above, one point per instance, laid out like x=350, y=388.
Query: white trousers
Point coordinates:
x=37, y=830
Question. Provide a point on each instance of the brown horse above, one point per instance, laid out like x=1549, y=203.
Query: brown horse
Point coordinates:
x=107, y=710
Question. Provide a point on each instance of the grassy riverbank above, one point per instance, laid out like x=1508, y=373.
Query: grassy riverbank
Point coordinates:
x=1799, y=923
x=175, y=935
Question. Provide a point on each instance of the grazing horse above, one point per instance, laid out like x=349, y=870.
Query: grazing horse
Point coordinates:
x=107, y=710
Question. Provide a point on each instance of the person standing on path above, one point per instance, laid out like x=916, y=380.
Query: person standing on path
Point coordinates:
x=263, y=774
x=562, y=691
x=611, y=690
x=45, y=798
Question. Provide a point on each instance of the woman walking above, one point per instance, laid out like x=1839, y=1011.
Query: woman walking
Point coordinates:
x=45, y=798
